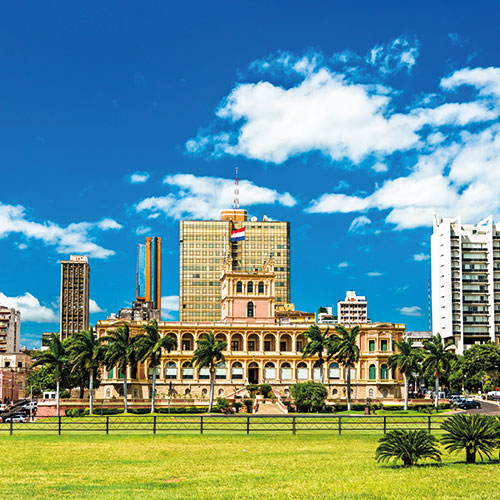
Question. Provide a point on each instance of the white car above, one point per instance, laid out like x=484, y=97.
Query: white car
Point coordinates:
x=16, y=417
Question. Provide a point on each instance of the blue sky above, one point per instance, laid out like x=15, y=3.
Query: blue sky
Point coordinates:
x=354, y=121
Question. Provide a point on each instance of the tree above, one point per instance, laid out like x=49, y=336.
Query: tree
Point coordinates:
x=482, y=362
x=149, y=346
x=344, y=349
x=55, y=358
x=406, y=361
x=207, y=355
x=408, y=446
x=87, y=353
x=121, y=353
x=476, y=434
x=317, y=344
x=437, y=359
x=41, y=380
x=309, y=395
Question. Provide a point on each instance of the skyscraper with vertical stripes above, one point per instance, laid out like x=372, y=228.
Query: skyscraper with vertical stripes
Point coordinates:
x=149, y=272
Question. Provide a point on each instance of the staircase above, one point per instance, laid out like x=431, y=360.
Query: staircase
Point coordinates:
x=269, y=407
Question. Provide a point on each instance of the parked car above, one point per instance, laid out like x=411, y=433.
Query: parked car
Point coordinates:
x=465, y=404
x=15, y=417
x=27, y=406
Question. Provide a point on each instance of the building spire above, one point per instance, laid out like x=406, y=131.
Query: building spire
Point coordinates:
x=236, y=202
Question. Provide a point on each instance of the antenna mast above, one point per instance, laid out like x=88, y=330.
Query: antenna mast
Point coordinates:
x=236, y=202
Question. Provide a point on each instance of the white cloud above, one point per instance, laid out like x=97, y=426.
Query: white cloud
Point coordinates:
x=142, y=230
x=420, y=257
x=374, y=274
x=343, y=265
x=380, y=167
x=358, y=223
x=139, y=177
x=411, y=311
x=93, y=307
x=30, y=307
x=169, y=304
x=75, y=238
x=205, y=197
x=394, y=56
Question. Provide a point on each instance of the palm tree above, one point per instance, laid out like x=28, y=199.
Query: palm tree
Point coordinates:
x=55, y=358
x=475, y=433
x=207, y=355
x=149, y=346
x=121, y=353
x=317, y=344
x=408, y=446
x=86, y=354
x=344, y=349
x=406, y=361
x=437, y=359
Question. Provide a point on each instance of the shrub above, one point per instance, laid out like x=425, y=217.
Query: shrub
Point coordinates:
x=309, y=395
x=476, y=434
x=222, y=405
x=249, y=404
x=408, y=446
x=265, y=389
x=252, y=389
x=237, y=405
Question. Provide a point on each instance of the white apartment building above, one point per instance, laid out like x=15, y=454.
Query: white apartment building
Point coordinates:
x=10, y=330
x=353, y=309
x=465, y=260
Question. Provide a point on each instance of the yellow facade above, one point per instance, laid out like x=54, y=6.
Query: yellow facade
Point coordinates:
x=258, y=353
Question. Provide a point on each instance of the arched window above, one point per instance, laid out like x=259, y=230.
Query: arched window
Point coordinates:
x=204, y=373
x=250, y=287
x=333, y=371
x=250, y=310
x=335, y=392
x=239, y=287
x=187, y=371
x=370, y=393
x=150, y=372
x=317, y=372
x=187, y=392
x=286, y=371
x=261, y=287
x=237, y=371
x=372, y=372
x=108, y=392
x=204, y=392
x=383, y=372
x=220, y=370
x=221, y=392
x=301, y=371
x=269, y=371
x=170, y=371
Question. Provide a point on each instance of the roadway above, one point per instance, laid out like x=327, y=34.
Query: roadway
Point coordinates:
x=487, y=408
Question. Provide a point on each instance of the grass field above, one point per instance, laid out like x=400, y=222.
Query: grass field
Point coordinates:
x=263, y=467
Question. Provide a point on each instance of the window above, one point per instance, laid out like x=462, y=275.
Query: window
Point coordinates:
x=250, y=287
x=204, y=373
x=186, y=345
x=282, y=345
x=239, y=287
x=383, y=345
x=333, y=371
x=267, y=345
x=317, y=372
x=370, y=393
x=269, y=371
x=150, y=372
x=220, y=371
x=371, y=345
x=170, y=370
x=261, y=287
x=301, y=371
x=237, y=371
x=120, y=373
x=251, y=345
x=286, y=371
x=250, y=310
x=383, y=372
x=372, y=372
x=110, y=373
x=299, y=345
x=235, y=345
x=187, y=371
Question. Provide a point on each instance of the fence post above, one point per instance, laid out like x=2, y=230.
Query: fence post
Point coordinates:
x=429, y=424
x=385, y=424
x=11, y=427
x=248, y=425
x=201, y=424
x=293, y=425
x=154, y=424
x=59, y=425
x=107, y=425
x=340, y=425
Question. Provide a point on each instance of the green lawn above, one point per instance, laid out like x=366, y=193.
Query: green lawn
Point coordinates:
x=260, y=466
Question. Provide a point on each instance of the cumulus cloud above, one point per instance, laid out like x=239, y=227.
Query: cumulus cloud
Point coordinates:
x=30, y=307
x=411, y=311
x=399, y=54
x=205, y=197
x=138, y=177
x=93, y=307
x=77, y=237
x=169, y=305
x=420, y=257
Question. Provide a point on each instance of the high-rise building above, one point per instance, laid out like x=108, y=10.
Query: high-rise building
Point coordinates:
x=204, y=246
x=75, y=277
x=10, y=330
x=465, y=261
x=353, y=309
x=149, y=272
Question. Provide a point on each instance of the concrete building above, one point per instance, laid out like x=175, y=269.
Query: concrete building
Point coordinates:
x=352, y=310
x=418, y=337
x=10, y=329
x=75, y=278
x=204, y=246
x=14, y=369
x=287, y=314
x=465, y=261
x=140, y=311
x=149, y=272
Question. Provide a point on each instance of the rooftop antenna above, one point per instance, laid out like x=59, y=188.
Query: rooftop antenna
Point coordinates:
x=236, y=202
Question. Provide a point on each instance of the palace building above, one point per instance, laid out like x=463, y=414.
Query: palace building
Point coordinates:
x=259, y=349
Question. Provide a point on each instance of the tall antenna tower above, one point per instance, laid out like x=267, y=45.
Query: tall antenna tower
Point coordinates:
x=236, y=202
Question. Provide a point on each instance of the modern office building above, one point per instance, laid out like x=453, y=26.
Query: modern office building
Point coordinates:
x=75, y=278
x=10, y=330
x=149, y=272
x=204, y=245
x=352, y=310
x=465, y=260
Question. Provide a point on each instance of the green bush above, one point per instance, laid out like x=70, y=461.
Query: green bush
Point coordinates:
x=309, y=396
x=249, y=404
x=265, y=389
x=222, y=405
x=237, y=405
x=252, y=389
